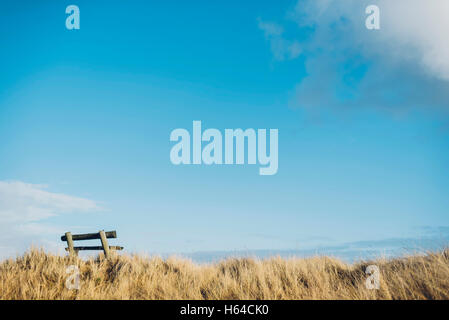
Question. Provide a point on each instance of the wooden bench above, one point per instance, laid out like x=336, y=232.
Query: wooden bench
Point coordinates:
x=103, y=236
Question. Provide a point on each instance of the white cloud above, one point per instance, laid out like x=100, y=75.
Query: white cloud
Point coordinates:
x=402, y=66
x=423, y=25
x=24, y=207
x=410, y=29
x=35, y=229
x=23, y=202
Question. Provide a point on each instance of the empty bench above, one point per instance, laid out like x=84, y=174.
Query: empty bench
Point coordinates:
x=103, y=236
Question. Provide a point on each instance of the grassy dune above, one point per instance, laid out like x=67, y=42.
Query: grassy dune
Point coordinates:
x=39, y=275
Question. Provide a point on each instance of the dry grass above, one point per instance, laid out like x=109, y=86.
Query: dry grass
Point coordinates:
x=38, y=275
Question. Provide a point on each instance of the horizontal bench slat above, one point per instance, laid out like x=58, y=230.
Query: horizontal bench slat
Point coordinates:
x=95, y=248
x=91, y=236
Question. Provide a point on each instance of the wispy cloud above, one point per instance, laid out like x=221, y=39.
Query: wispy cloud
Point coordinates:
x=24, y=202
x=24, y=209
x=281, y=48
x=410, y=29
x=430, y=239
x=350, y=66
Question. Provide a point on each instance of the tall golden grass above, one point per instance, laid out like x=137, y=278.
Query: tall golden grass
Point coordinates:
x=39, y=275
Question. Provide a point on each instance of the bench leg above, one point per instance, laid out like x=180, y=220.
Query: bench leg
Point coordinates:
x=104, y=243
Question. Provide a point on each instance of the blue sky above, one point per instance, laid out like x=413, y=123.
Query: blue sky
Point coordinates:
x=86, y=115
